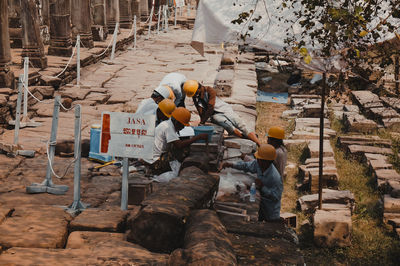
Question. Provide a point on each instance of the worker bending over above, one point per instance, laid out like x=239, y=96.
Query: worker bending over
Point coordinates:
x=176, y=81
x=149, y=106
x=209, y=105
x=275, y=138
x=268, y=181
x=167, y=145
x=164, y=110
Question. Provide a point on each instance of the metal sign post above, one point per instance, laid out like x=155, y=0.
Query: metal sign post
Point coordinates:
x=114, y=41
x=77, y=206
x=124, y=186
x=175, y=13
x=150, y=21
x=134, y=32
x=47, y=185
x=26, y=83
x=128, y=136
x=78, y=60
x=158, y=20
x=18, y=111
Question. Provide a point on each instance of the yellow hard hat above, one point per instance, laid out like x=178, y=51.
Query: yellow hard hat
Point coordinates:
x=276, y=132
x=167, y=106
x=182, y=115
x=266, y=152
x=190, y=87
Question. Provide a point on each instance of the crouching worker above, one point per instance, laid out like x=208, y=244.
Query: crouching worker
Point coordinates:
x=209, y=105
x=164, y=110
x=167, y=145
x=149, y=106
x=268, y=181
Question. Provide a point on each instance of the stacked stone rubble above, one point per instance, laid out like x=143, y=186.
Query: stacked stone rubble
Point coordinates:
x=332, y=223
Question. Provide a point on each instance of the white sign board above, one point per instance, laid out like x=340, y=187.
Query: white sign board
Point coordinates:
x=179, y=3
x=127, y=135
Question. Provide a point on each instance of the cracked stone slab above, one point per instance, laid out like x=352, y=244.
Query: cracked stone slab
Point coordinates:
x=33, y=226
x=367, y=99
x=99, y=220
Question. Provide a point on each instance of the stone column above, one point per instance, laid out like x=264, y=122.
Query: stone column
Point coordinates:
x=112, y=12
x=60, y=28
x=144, y=9
x=99, y=28
x=125, y=14
x=14, y=23
x=135, y=7
x=82, y=22
x=45, y=12
x=32, y=43
x=6, y=76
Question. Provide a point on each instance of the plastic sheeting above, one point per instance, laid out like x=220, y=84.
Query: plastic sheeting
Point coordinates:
x=214, y=25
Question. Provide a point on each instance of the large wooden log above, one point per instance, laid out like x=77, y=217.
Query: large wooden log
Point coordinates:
x=206, y=242
x=160, y=224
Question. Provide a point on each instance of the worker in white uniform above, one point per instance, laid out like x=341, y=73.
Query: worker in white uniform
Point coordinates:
x=209, y=105
x=167, y=144
x=149, y=106
x=176, y=81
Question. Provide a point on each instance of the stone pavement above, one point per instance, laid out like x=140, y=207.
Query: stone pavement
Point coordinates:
x=35, y=225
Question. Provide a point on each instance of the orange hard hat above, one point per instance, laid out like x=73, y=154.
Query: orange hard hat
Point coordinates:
x=266, y=152
x=182, y=115
x=276, y=132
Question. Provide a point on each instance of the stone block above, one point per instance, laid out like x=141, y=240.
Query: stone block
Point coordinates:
x=351, y=108
x=224, y=82
x=33, y=226
x=374, y=156
x=336, y=207
x=381, y=113
x=313, y=146
x=89, y=239
x=332, y=228
x=330, y=179
x=328, y=161
x=290, y=114
x=97, y=97
x=379, y=164
x=359, y=150
x=290, y=219
x=366, y=99
x=306, y=122
x=138, y=190
x=3, y=99
x=6, y=91
x=345, y=141
x=392, y=102
x=313, y=110
x=392, y=123
x=242, y=144
x=308, y=203
x=388, y=215
x=99, y=220
x=228, y=59
x=394, y=188
x=391, y=204
x=45, y=91
x=358, y=123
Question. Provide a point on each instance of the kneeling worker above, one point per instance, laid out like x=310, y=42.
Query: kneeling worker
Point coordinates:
x=149, y=106
x=209, y=105
x=268, y=181
x=167, y=145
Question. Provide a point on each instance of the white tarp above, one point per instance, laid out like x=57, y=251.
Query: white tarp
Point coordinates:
x=214, y=25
